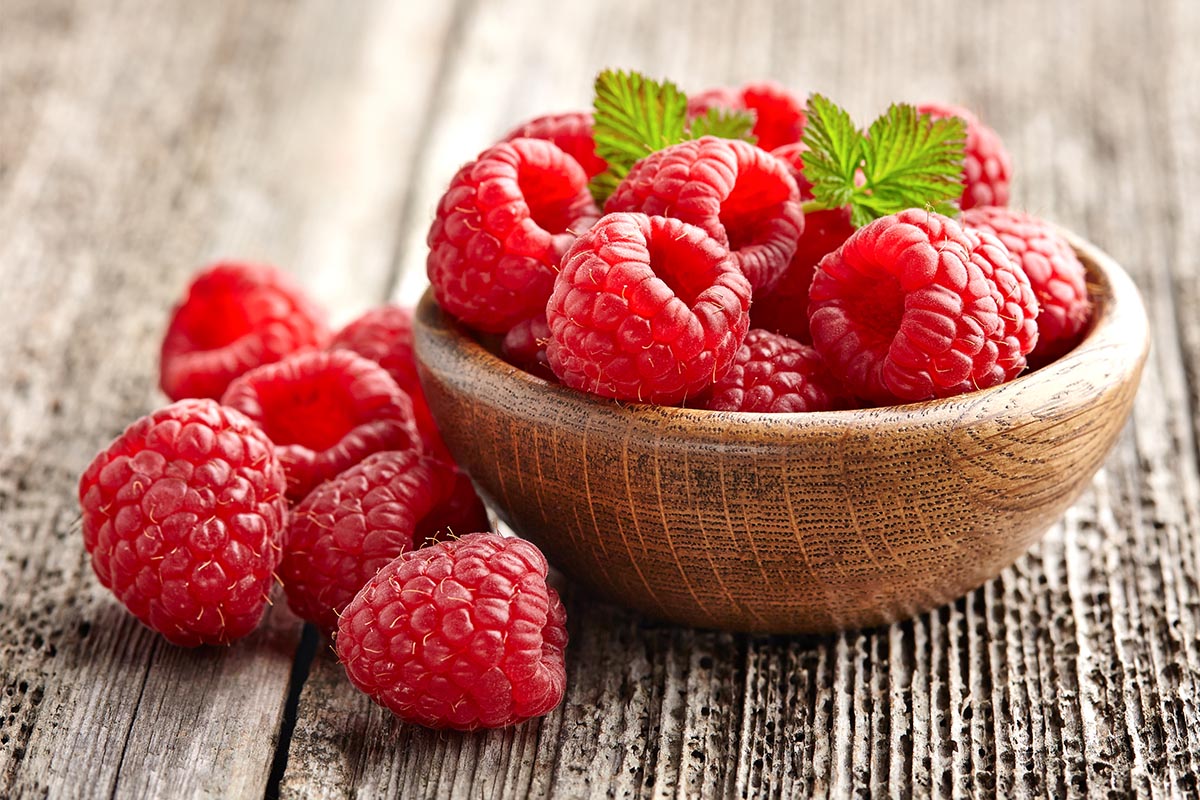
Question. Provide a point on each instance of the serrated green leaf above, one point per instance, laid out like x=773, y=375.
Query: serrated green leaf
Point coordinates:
x=905, y=160
x=834, y=152
x=633, y=117
x=725, y=123
x=911, y=160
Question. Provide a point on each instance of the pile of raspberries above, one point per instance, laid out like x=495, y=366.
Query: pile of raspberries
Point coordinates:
x=311, y=459
x=703, y=284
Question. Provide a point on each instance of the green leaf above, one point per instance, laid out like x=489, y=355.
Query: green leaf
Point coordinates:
x=723, y=122
x=633, y=117
x=905, y=160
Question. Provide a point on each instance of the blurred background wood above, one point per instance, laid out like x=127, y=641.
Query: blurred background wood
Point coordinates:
x=138, y=140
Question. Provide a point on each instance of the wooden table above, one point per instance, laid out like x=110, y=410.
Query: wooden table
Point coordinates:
x=139, y=140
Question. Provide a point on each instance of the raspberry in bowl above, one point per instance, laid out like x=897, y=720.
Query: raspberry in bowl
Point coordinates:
x=795, y=522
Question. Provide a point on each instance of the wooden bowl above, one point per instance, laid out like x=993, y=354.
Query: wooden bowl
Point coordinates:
x=788, y=523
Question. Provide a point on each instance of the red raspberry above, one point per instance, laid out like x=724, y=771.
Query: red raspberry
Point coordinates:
x=325, y=411
x=779, y=116
x=384, y=335
x=1056, y=274
x=784, y=309
x=775, y=374
x=501, y=229
x=913, y=306
x=235, y=317
x=742, y=196
x=463, y=634
x=571, y=131
x=349, y=527
x=183, y=515
x=524, y=346
x=987, y=168
x=646, y=308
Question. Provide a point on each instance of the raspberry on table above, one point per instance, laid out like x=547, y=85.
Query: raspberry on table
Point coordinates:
x=325, y=412
x=1056, y=274
x=524, y=346
x=501, y=230
x=350, y=526
x=779, y=115
x=646, y=308
x=571, y=131
x=183, y=516
x=462, y=634
x=987, y=167
x=914, y=306
x=234, y=317
x=744, y=197
x=384, y=335
x=775, y=374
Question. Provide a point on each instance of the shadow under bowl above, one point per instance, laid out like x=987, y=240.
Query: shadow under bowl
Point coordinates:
x=788, y=523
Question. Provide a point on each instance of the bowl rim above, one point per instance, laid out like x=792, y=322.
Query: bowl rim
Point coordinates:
x=1119, y=327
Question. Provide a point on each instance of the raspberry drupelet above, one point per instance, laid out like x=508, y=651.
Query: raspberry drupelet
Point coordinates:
x=987, y=167
x=571, y=131
x=325, y=412
x=742, y=196
x=1056, y=274
x=914, y=306
x=462, y=634
x=234, y=317
x=183, y=515
x=775, y=374
x=645, y=308
x=501, y=229
x=353, y=524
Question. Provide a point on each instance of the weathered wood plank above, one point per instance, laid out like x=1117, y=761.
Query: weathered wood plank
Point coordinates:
x=1074, y=674
x=145, y=141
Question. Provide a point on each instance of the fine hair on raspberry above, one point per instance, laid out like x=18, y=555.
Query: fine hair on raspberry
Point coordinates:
x=571, y=131
x=914, y=306
x=183, y=515
x=462, y=634
x=646, y=308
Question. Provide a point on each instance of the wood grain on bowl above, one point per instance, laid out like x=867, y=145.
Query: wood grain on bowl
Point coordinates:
x=789, y=522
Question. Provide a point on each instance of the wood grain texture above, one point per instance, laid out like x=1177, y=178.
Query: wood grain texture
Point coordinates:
x=132, y=150
x=137, y=140
x=804, y=523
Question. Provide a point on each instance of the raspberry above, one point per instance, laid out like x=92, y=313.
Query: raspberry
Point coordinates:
x=742, y=196
x=524, y=346
x=779, y=116
x=235, y=317
x=987, y=168
x=1056, y=274
x=913, y=306
x=784, y=309
x=571, y=131
x=325, y=411
x=183, y=515
x=646, y=308
x=349, y=527
x=501, y=229
x=384, y=335
x=775, y=374
x=462, y=634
